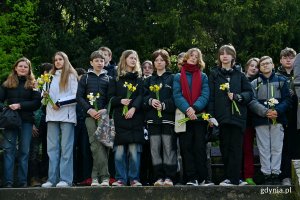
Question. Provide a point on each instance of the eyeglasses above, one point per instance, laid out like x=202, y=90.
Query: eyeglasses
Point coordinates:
x=266, y=63
x=147, y=67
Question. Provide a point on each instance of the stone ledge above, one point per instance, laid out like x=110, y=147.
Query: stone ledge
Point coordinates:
x=296, y=177
x=145, y=193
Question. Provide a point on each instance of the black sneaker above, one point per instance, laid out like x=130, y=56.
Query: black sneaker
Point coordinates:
x=275, y=179
x=268, y=179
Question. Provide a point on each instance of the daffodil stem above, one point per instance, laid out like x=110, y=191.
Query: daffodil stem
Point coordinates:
x=158, y=112
x=234, y=105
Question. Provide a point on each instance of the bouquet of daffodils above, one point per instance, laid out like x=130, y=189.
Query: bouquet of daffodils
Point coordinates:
x=92, y=99
x=155, y=88
x=271, y=103
x=43, y=83
x=130, y=90
x=204, y=116
x=226, y=87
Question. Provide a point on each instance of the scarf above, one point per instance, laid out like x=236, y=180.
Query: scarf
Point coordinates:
x=191, y=96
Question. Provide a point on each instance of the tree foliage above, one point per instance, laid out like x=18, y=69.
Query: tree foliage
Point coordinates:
x=18, y=32
x=40, y=28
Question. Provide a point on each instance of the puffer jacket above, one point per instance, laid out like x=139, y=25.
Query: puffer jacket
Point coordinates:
x=91, y=83
x=180, y=101
x=263, y=91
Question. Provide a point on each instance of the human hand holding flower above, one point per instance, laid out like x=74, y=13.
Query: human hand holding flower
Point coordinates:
x=226, y=87
x=156, y=102
x=204, y=116
x=130, y=89
x=43, y=83
x=272, y=114
x=130, y=113
x=125, y=102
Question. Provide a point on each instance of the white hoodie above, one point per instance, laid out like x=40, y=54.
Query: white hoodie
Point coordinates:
x=67, y=112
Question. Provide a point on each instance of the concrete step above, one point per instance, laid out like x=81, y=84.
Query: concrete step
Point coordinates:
x=151, y=193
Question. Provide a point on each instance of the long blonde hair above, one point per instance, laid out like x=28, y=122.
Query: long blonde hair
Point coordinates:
x=66, y=70
x=122, y=64
x=12, y=80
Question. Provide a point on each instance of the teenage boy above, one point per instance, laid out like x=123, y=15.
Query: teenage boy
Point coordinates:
x=95, y=81
x=111, y=69
x=269, y=129
x=109, y=65
x=289, y=151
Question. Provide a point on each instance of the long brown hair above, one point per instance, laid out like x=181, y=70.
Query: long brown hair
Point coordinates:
x=66, y=70
x=12, y=80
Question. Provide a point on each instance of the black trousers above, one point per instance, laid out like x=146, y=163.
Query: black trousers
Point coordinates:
x=231, y=141
x=193, y=151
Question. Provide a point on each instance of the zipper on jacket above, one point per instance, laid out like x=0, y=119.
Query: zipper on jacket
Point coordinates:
x=268, y=83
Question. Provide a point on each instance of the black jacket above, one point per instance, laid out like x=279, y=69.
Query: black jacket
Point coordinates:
x=220, y=106
x=29, y=99
x=165, y=97
x=91, y=83
x=127, y=130
x=111, y=69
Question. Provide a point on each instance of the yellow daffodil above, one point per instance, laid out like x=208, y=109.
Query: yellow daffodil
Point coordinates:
x=130, y=89
x=156, y=88
x=92, y=99
x=226, y=87
x=204, y=116
x=43, y=83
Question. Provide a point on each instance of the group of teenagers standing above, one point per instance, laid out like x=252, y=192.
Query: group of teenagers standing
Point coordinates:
x=191, y=91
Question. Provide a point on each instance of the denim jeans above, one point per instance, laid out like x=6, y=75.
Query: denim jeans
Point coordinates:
x=60, y=141
x=127, y=162
x=10, y=151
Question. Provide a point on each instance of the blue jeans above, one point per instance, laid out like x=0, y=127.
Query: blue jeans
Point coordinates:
x=127, y=162
x=60, y=141
x=9, y=145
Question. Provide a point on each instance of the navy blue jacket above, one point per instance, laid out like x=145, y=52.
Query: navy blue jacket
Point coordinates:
x=263, y=91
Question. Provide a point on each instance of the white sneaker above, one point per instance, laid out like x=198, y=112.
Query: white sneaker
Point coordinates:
x=48, y=184
x=226, y=182
x=287, y=182
x=192, y=183
x=159, y=182
x=95, y=182
x=105, y=183
x=168, y=182
x=206, y=183
x=135, y=183
x=62, y=184
x=242, y=183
